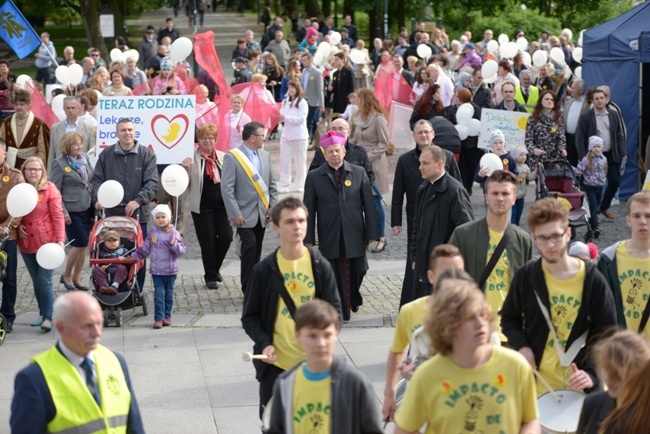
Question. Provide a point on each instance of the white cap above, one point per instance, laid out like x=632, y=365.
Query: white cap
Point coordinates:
x=162, y=208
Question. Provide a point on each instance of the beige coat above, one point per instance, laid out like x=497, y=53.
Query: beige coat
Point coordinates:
x=372, y=135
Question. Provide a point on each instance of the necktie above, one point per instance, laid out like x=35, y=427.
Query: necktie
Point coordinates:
x=526, y=94
x=256, y=161
x=87, y=366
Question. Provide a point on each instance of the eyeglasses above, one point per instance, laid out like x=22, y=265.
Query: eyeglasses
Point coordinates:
x=553, y=239
x=30, y=169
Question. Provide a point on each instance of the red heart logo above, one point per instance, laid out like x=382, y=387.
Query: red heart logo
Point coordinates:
x=169, y=131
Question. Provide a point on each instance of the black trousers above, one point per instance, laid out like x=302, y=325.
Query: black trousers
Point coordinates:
x=266, y=385
x=407, y=285
x=214, y=233
x=251, y=249
x=613, y=180
x=571, y=149
x=468, y=162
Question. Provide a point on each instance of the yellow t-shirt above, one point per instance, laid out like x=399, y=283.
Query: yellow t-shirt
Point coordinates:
x=411, y=316
x=311, y=404
x=565, y=298
x=634, y=279
x=497, y=284
x=299, y=281
x=497, y=397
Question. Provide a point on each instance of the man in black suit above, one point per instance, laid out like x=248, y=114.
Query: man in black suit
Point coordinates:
x=602, y=122
x=339, y=199
x=352, y=29
x=398, y=63
x=342, y=83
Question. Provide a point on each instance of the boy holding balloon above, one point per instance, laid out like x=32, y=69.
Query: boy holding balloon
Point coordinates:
x=497, y=147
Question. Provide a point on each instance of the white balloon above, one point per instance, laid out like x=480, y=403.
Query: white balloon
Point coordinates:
x=424, y=51
x=61, y=74
x=527, y=59
x=490, y=68
x=335, y=38
x=504, y=51
x=131, y=53
x=110, y=194
x=22, y=80
x=175, y=179
x=582, y=32
x=540, y=58
x=493, y=46
x=468, y=107
x=522, y=43
x=557, y=54
x=578, y=72
x=60, y=114
x=116, y=55
x=75, y=74
x=577, y=54
x=462, y=131
x=503, y=39
x=325, y=48
x=512, y=49
x=473, y=127
x=319, y=59
x=357, y=56
x=21, y=200
x=492, y=162
x=463, y=115
x=50, y=256
x=181, y=48
x=57, y=103
x=490, y=80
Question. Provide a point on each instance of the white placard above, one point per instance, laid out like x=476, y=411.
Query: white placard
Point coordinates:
x=646, y=184
x=107, y=25
x=164, y=124
x=511, y=124
x=399, y=132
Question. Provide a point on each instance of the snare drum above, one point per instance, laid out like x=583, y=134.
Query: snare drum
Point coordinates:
x=266, y=416
x=560, y=417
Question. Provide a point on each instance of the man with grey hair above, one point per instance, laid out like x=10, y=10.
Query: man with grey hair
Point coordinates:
x=77, y=385
x=575, y=106
x=280, y=48
x=398, y=63
x=442, y=80
x=68, y=56
x=71, y=123
x=526, y=94
x=251, y=43
x=87, y=66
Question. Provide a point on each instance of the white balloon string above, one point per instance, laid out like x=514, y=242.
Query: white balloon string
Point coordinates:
x=71, y=241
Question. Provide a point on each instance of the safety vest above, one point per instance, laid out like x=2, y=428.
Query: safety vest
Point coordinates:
x=77, y=411
x=533, y=96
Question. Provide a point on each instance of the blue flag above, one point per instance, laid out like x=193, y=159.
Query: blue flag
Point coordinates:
x=16, y=30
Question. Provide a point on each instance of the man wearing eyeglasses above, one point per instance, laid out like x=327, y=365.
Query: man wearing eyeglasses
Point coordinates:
x=509, y=103
x=558, y=306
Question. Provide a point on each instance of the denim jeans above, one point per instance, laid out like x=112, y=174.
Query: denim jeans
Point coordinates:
x=312, y=120
x=9, y=291
x=163, y=296
x=517, y=211
x=43, y=289
x=381, y=215
x=594, y=197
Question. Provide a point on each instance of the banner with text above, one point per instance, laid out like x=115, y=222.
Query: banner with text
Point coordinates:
x=511, y=124
x=164, y=124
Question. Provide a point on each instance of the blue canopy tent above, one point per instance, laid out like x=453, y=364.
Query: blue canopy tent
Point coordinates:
x=613, y=54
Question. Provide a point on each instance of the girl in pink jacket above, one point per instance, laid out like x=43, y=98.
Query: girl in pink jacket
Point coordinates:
x=45, y=224
x=168, y=83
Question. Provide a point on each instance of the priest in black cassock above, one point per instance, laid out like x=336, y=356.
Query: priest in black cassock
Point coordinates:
x=441, y=204
x=339, y=199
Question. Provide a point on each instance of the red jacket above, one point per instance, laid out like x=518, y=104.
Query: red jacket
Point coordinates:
x=45, y=224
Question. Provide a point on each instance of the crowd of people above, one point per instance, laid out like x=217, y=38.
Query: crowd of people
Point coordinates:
x=500, y=327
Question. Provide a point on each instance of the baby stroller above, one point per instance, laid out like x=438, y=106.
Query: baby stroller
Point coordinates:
x=555, y=179
x=129, y=294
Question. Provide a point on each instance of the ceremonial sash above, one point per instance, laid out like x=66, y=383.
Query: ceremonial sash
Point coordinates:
x=253, y=175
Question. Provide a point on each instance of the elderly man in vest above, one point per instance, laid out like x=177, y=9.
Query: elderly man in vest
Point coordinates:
x=526, y=94
x=77, y=385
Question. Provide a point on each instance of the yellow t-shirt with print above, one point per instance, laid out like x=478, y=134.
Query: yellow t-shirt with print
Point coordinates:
x=497, y=284
x=565, y=297
x=411, y=317
x=634, y=279
x=497, y=397
x=299, y=281
x=311, y=404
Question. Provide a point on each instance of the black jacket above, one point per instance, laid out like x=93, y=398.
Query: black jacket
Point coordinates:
x=408, y=77
x=587, y=128
x=595, y=410
x=483, y=97
x=439, y=208
x=518, y=107
x=407, y=181
x=353, y=154
x=342, y=85
x=242, y=76
x=350, y=209
x=470, y=141
x=261, y=299
x=524, y=325
x=173, y=34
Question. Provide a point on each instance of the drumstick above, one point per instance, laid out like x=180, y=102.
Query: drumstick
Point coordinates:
x=247, y=357
x=548, y=386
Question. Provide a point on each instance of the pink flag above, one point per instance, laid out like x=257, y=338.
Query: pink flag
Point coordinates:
x=40, y=107
x=259, y=105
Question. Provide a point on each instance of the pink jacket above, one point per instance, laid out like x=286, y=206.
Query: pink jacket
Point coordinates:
x=174, y=82
x=45, y=224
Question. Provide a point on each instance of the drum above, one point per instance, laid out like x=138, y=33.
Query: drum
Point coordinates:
x=560, y=417
x=266, y=416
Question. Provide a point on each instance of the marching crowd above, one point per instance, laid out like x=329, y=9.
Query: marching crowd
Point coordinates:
x=490, y=326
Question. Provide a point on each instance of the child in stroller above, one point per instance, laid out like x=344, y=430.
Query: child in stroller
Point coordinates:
x=112, y=248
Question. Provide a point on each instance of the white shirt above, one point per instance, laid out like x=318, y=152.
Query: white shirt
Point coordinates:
x=87, y=118
x=237, y=122
x=446, y=89
x=76, y=360
x=573, y=115
x=295, y=119
x=71, y=128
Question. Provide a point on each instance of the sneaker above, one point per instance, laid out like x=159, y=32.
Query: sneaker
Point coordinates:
x=167, y=322
x=282, y=189
x=596, y=233
x=157, y=324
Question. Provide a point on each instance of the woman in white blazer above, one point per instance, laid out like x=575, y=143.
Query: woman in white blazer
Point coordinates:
x=293, y=142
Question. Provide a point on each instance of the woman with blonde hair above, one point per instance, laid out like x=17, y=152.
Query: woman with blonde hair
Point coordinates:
x=45, y=224
x=617, y=358
x=371, y=133
x=459, y=325
x=237, y=120
x=102, y=73
x=632, y=415
x=293, y=73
